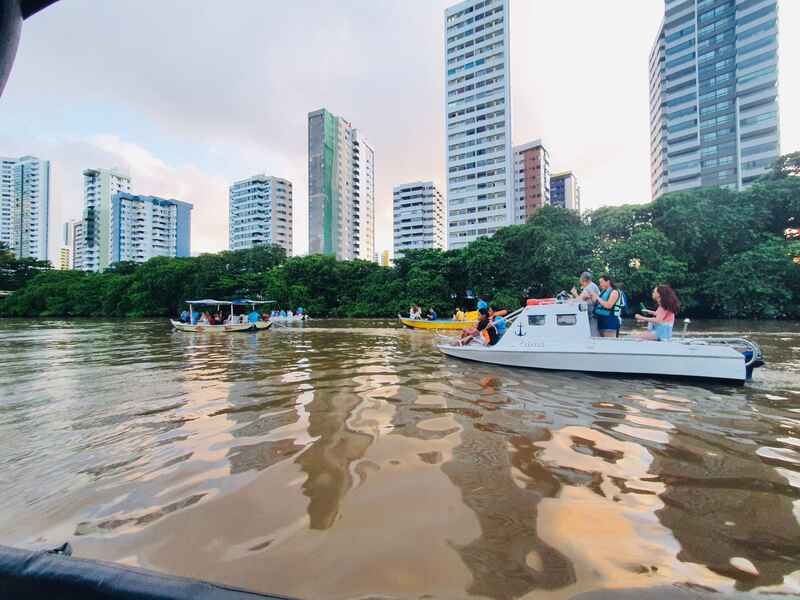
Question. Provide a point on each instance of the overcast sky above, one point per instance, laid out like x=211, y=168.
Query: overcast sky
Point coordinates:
x=189, y=97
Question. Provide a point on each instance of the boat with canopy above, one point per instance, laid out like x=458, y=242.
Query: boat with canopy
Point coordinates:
x=233, y=322
x=555, y=334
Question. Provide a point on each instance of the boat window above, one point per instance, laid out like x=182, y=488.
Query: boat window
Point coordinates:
x=566, y=319
x=536, y=320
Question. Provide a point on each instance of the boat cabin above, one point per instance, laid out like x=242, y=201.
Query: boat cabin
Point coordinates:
x=555, y=320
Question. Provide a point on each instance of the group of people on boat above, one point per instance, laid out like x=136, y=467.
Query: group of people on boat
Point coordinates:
x=607, y=302
x=288, y=314
x=217, y=318
x=415, y=313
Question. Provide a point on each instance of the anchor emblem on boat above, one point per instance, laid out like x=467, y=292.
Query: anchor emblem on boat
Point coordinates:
x=520, y=332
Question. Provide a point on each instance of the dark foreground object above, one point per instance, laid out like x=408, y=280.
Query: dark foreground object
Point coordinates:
x=53, y=574
x=12, y=12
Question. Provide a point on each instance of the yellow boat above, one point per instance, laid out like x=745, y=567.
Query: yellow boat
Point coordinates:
x=441, y=324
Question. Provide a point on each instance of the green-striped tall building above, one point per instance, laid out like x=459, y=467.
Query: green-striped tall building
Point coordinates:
x=341, y=189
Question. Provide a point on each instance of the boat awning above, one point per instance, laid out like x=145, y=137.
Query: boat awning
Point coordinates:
x=209, y=301
x=245, y=301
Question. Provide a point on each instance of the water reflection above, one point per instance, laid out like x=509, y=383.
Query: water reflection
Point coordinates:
x=237, y=457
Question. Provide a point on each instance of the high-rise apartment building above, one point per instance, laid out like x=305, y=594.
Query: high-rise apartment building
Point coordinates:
x=565, y=191
x=66, y=258
x=78, y=244
x=531, y=179
x=99, y=187
x=30, y=208
x=714, y=94
x=419, y=220
x=480, y=186
x=260, y=213
x=363, y=197
x=341, y=188
x=143, y=227
x=6, y=198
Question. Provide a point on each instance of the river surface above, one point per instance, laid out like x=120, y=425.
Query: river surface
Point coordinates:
x=343, y=459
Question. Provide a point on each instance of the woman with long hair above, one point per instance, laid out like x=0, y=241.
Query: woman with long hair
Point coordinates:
x=608, y=309
x=661, y=321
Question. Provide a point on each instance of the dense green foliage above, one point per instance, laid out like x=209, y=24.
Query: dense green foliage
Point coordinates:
x=727, y=254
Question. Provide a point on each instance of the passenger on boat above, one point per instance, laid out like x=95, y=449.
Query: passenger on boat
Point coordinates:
x=497, y=326
x=253, y=316
x=195, y=317
x=588, y=287
x=415, y=313
x=482, y=304
x=289, y=313
x=212, y=319
x=205, y=318
x=184, y=316
x=432, y=316
x=471, y=334
x=659, y=326
x=608, y=308
x=459, y=315
x=283, y=314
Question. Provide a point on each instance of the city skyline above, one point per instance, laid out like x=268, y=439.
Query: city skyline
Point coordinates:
x=178, y=139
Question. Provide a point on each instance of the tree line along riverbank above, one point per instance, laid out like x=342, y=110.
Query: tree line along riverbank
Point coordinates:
x=728, y=255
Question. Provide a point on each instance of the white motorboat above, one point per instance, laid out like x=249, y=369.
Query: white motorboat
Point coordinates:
x=556, y=335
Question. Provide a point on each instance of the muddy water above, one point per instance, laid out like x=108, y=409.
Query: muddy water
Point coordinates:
x=345, y=459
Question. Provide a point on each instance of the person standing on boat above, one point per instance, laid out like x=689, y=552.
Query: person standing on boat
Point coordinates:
x=588, y=289
x=659, y=325
x=608, y=308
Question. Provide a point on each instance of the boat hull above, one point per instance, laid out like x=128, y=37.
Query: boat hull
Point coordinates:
x=447, y=325
x=613, y=356
x=203, y=328
x=261, y=325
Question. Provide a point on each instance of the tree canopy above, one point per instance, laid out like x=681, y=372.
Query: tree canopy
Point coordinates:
x=727, y=254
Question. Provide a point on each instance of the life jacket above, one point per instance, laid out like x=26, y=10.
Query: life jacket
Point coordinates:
x=615, y=310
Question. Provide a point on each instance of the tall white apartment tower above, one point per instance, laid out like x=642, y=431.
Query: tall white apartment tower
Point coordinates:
x=260, y=213
x=418, y=217
x=99, y=187
x=714, y=94
x=480, y=183
x=363, y=197
x=6, y=198
x=30, y=208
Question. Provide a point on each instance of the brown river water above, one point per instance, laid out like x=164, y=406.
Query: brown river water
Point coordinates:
x=350, y=459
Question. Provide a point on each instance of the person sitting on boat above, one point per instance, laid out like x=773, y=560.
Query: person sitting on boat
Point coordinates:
x=253, y=316
x=432, y=316
x=659, y=325
x=482, y=304
x=195, y=316
x=283, y=314
x=471, y=334
x=205, y=318
x=289, y=313
x=184, y=316
x=459, y=315
x=498, y=323
x=608, y=308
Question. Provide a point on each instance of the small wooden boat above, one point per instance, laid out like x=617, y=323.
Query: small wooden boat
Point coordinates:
x=438, y=325
x=556, y=335
x=206, y=328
